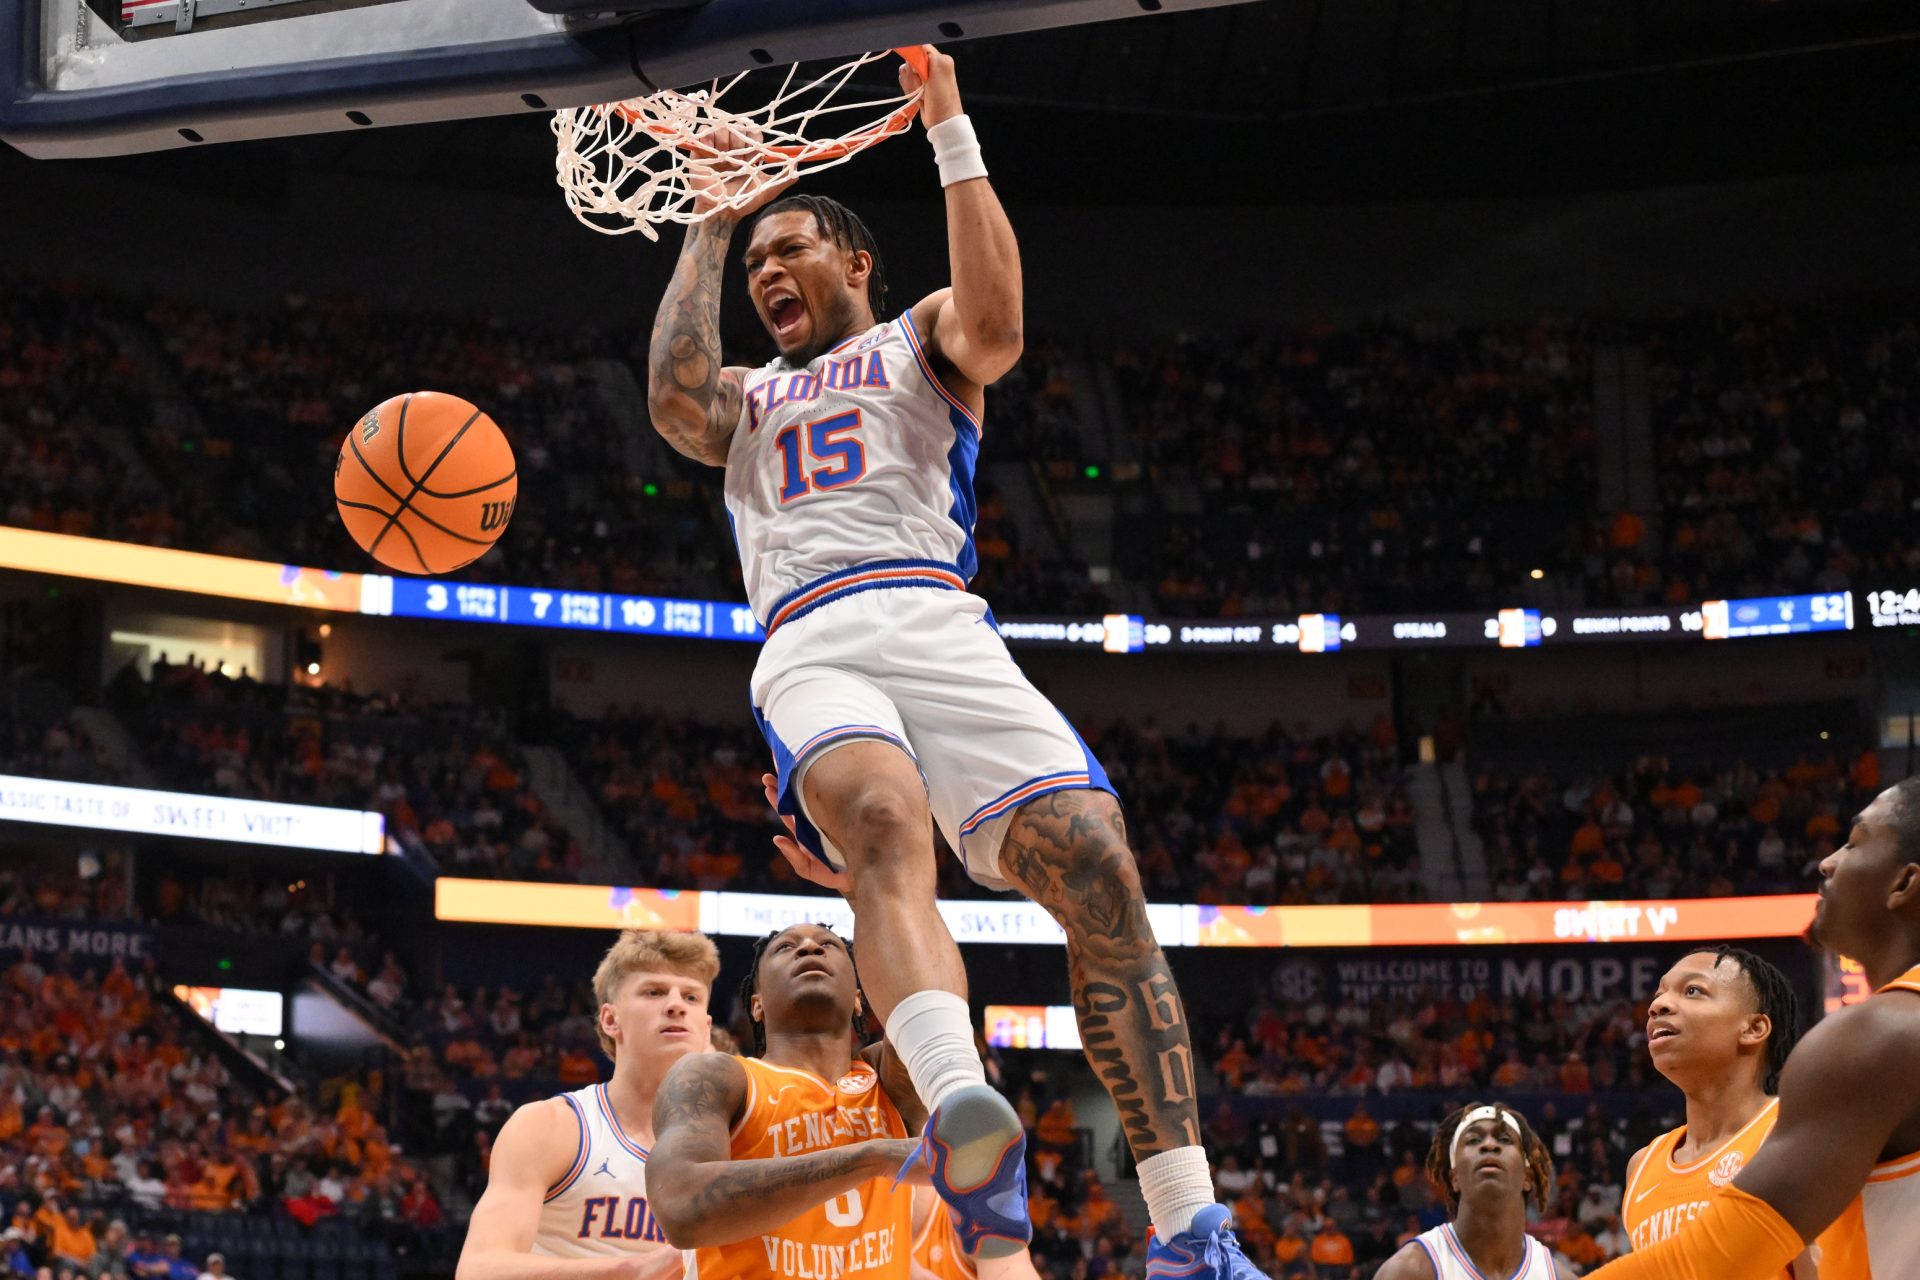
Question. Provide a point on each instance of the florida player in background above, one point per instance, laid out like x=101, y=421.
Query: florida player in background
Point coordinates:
x=884, y=691
x=781, y=1166
x=1842, y=1165
x=566, y=1194
x=1720, y=1028
x=1487, y=1160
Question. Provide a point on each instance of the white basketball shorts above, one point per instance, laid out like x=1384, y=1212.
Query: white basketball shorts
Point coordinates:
x=881, y=652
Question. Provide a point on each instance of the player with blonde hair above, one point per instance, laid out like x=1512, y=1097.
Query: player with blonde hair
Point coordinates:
x=566, y=1194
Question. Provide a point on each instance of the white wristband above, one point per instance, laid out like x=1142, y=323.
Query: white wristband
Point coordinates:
x=956, y=150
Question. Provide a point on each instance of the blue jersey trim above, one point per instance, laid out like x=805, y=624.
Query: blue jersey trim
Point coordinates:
x=579, y=1154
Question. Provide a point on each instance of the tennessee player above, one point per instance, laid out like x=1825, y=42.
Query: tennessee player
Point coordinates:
x=1719, y=1027
x=1843, y=1162
x=566, y=1194
x=1487, y=1160
x=782, y=1166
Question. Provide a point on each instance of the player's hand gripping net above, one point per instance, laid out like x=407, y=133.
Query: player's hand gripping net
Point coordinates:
x=683, y=157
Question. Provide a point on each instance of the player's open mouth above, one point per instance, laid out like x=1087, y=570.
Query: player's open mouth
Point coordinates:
x=1663, y=1031
x=786, y=312
x=1491, y=1162
x=676, y=1031
x=813, y=966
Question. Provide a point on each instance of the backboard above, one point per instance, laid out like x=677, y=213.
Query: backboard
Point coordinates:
x=113, y=77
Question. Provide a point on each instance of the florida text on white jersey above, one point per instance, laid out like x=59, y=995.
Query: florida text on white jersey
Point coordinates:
x=856, y=468
x=599, y=1209
x=1450, y=1260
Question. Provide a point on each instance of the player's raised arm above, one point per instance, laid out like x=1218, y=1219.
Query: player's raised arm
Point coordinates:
x=702, y=1198
x=694, y=401
x=975, y=327
x=693, y=398
x=533, y=1152
x=1844, y=1090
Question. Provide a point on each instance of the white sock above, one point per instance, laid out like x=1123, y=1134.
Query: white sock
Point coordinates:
x=932, y=1031
x=1177, y=1185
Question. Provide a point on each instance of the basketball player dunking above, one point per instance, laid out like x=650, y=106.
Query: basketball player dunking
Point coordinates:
x=1487, y=1160
x=566, y=1194
x=1842, y=1165
x=884, y=691
x=1720, y=1027
x=781, y=1166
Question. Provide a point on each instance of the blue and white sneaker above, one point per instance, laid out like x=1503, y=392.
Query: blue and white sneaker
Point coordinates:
x=1205, y=1251
x=976, y=1151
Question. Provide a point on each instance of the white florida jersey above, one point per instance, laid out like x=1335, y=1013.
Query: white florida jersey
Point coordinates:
x=1450, y=1260
x=599, y=1209
x=857, y=467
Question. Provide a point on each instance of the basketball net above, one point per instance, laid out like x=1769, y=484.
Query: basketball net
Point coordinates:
x=683, y=157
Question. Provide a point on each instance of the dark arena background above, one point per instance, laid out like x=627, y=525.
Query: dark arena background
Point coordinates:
x=1461, y=480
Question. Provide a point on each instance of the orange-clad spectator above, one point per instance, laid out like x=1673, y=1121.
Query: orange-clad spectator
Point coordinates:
x=1574, y=1076
x=73, y=1239
x=1865, y=772
x=1332, y=1248
x=1250, y=1219
x=577, y=1068
x=1042, y=1208
x=1235, y=1064
x=1097, y=1209
x=1607, y=868
x=1580, y=1248
x=47, y=1136
x=354, y=1120
x=1363, y=1131
x=1290, y=1245
x=1056, y=1124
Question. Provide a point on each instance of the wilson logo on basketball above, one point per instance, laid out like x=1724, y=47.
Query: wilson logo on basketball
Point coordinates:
x=1728, y=1169
x=494, y=515
x=369, y=428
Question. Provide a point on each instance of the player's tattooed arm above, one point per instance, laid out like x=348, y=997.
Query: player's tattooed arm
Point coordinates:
x=693, y=398
x=1068, y=851
x=895, y=1079
x=703, y=1197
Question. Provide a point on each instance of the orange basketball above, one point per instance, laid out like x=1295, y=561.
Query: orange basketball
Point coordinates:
x=425, y=483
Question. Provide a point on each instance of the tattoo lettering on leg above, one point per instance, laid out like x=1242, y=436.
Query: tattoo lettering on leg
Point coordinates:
x=1068, y=851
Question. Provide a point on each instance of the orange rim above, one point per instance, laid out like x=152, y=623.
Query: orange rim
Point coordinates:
x=898, y=121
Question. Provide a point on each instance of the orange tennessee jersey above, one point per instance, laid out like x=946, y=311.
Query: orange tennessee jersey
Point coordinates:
x=937, y=1248
x=863, y=1234
x=1878, y=1237
x=1663, y=1196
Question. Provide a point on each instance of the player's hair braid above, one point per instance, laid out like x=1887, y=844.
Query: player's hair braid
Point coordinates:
x=1777, y=1000
x=1440, y=1156
x=750, y=985
x=844, y=227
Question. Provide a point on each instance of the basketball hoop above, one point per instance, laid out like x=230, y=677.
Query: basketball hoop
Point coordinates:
x=629, y=166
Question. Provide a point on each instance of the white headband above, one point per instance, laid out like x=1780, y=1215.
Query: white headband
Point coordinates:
x=1474, y=1117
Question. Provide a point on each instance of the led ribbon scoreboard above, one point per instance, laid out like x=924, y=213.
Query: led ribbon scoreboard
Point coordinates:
x=380, y=595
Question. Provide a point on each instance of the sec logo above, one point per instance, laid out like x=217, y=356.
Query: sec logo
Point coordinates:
x=1728, y=1169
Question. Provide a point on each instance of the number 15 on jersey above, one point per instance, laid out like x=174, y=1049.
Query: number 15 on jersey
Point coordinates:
x=820, y=455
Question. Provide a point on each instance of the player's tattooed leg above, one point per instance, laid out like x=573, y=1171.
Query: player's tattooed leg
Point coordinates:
x=1068, y=851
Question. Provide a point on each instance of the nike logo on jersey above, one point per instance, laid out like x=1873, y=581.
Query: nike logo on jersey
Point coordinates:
x=1644, y=1194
